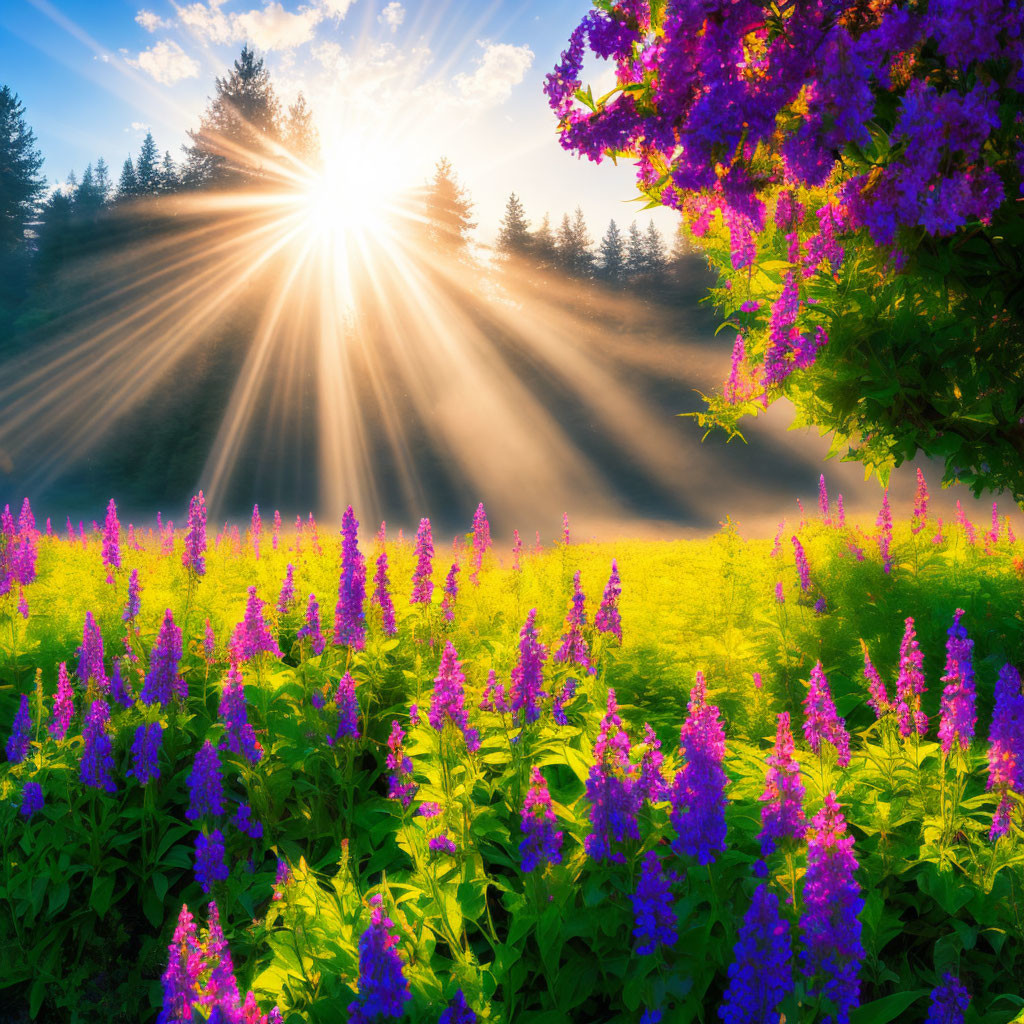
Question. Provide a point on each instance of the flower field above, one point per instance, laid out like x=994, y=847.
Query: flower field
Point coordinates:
x=283, y=773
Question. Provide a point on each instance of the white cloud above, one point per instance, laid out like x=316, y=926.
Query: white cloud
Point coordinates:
x=393, y=15
x=139, y=126
x=274, y=28
x=167, y=62
x=151, y=22
x=336, y=8
x=208, y=21
x=501, y=67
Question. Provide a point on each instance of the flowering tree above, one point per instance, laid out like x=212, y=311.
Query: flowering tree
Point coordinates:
x=853, y=169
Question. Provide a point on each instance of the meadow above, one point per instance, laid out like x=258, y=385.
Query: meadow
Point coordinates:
x=727, y=779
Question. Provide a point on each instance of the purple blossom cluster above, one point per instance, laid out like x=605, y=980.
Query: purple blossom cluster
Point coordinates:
x=383, y=989
x=782, y=810
x=481, y=542
x=205, y=786
x=1006, y=746
x=760, y=975
x=910, y=684
x=256, y=530
x=884, y=536
x=348, y=710
x=422, y=584
x=574, y=649
x=612, y=789
x=879, y=696
x=286, y=598
x=133, y=605
x=831, y=930
x=31, y=799
x=239, y=735
x=495, y=697
x=20, y=740
x=145, y=753
x=162, y=680
x=90, y=655
x=654, y=917
x=958, y=714
x=920, y=517
x=209, y=865
x=542, y=844
x=527, y=685
x=801, y=564
x=562, y=698
x=400, y=783
x=652, y=782
x=310, y=629
x=457, y=1011
x=698, y=791
x=194, y=555
x=63, y=705
x=451, y=592
x=448, y=700
x=948, y=1002
x=822, y=723
x=97, y=767
x=111, y=552
x=382, y=596
x=252, y=636
x=349, y=617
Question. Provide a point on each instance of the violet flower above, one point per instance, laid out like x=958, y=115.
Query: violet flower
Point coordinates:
x=608, y=619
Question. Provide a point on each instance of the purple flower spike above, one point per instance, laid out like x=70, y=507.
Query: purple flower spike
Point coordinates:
x=382, y=596
x=959, y=717
x=146, y=753
x=451, y=592
x=252, y=636
x=20, y=739
x=239, y=735
x=311, y=627
x=448, y=701
x=481, y=542
x=287, y=596
x=348, y=710
x=574, y=647
x=162, y=680
x=1006, y=746
x=528, y=674
x=542, y=845
x=63, y=705
x=612, y=789
x=653, y=912
x=349, y=618
x=652, y=783
x=698, y=792
x=194, y=555
x=910, y=684
x=97, y=765
x=119, y=689
x=133, y=605
x=782, y=812
x=832, y=949
x=400, y=783
x=442, y=844
x=879, y=699
x=205, y=787
x=823, y=501
x=31, y=799
x=244, y=822
x=563, y=698
x=422, y=585
x=760, y=976
x=822, y=722
x=111, y=553
x=920, y=505
x=209, y=642
x=949, y=1001
x=256, y=529
x=607, y=619
x=90, y=656
x=383, y=988
x=209, y=859
x=457, y=1011
x=801, y=564
x=495, y=698
x=517, y=551
x=884, y=537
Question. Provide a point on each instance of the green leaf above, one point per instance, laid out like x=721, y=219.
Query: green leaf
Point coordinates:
x=102, y=893
x=886, y=1009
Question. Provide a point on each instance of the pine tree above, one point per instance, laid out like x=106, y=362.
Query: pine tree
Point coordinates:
x=514, y=237
x=575, y=255
x=88, y=195
x=20, y=182
x=237, y=132
x=654, y=252
x=636, y=253
x=447, y=211
x=102, y=182
x=611, y=256
x=299, y=134
x=168, y=173
x=147, y=168
x=544, y=248
x=127, y=184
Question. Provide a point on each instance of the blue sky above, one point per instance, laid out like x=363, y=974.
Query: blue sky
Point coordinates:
x=400, y=84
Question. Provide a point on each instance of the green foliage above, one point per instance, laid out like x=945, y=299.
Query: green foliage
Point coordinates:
x=91, y=885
